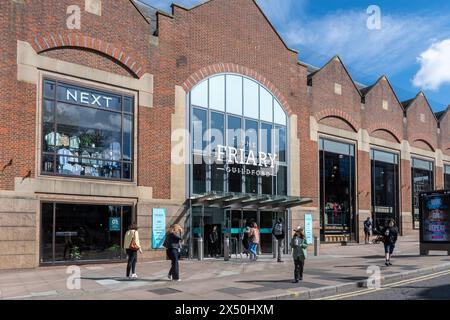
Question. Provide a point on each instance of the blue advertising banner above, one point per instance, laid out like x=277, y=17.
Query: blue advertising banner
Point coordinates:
x=158, y=228
x=114, y=224
x=309, y=228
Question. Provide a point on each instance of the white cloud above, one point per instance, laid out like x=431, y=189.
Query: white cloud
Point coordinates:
x=434, y=67
x=391, y=49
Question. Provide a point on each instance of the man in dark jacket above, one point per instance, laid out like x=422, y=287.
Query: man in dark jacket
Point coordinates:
x=390, y=235
x=279, y=234
x=214, y=243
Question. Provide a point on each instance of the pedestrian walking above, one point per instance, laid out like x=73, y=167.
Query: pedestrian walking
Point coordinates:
x=132, y=246
x=246, y=241
x=174, y=239
x=278, y=233
x=214, y=243
x=254, y=237
x=390, y=236
x=299, y=247
x=368, y=230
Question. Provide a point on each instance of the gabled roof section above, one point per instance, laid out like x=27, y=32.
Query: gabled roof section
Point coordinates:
x=441, y=115
x=337, y=58
x=366, y=91
x=148, y=12
x=208, y=2
x=407, y=104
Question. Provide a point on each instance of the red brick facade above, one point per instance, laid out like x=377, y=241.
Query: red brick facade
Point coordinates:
x=191, y=45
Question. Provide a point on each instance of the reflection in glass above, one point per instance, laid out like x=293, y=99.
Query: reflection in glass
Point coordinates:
x=235, y=178
x=251, y=138
x=422, y=175
x=217, y=93
x=82, y=232
x=337, y=187
x=266, y=105
x=199, y=127
x=234, y=132
x=251, y=99
x=217, y=131
x=385, y=187
x=251, y=179
x=234, y=94
x=199, y=175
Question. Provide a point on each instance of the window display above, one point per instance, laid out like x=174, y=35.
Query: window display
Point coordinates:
x=86, y=132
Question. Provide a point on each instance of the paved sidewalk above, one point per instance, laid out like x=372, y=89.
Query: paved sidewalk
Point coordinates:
x=216, y=279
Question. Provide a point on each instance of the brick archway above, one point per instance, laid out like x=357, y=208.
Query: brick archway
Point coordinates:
x=332, y=112
x=219, y=68
x=75, y=40
x=423, y=138
x=385, y=127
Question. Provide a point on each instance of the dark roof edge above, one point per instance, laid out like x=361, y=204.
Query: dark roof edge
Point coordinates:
x=343, y=65
x=392, y=89
x=134, y=5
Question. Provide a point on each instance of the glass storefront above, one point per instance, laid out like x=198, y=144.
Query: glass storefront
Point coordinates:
x=234, y=111
x=87, y=133
x=447, y=177
x=385, y=187
x=422, y=175
x=239, y=147
x=337, y=191
x=73, y=233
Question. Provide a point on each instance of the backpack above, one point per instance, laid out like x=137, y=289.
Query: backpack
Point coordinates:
x=278, y=229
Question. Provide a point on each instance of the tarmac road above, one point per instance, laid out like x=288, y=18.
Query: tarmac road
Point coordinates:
x=431, y=287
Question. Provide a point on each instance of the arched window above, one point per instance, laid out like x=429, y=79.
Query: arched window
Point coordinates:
x=238, y=137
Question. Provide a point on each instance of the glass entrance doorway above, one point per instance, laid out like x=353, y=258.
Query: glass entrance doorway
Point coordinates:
x=337, y=191
x=237, y=222
x=213, y=225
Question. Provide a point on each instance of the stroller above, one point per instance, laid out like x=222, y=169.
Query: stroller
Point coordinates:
x=379, y=236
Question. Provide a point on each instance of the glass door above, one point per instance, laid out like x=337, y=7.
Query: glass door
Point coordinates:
x=337, y=191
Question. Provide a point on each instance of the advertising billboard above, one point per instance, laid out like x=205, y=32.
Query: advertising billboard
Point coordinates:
x=435, y=217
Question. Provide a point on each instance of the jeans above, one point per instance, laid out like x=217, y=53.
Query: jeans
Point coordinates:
x=132, y=259
x=298, y=271
x=175, y=268
x=252, y=247
x=280, y=247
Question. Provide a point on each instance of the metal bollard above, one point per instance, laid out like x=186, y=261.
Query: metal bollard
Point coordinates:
x=200, y=250
x=226, y=248
x=316, y=246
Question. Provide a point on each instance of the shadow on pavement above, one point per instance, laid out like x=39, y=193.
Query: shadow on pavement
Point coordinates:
x=125, y=279
x=265, y=281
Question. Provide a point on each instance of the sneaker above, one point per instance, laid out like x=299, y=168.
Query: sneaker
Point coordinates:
x=387, y=264
x=169, y=276
x=134, y=276
x=295, y=281
x=390, y=263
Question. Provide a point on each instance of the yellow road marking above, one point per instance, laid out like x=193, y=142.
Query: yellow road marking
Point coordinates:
x=387, y=286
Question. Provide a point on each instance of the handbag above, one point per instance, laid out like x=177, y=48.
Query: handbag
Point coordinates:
x=133, y=244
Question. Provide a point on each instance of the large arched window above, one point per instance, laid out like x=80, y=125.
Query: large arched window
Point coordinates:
x=238, y=138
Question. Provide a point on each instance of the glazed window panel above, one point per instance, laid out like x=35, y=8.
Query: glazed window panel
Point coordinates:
x=422, y=175
x=234, y=94
x=266, y=106
x=199, y=95
x=217, y=93
x=447, y=177
x=279, y=115
x=199, y=127
x=86, y=133
x=251, y=99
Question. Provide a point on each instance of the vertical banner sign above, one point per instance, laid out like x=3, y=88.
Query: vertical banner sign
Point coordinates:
x=309, y=228
x=158, y=228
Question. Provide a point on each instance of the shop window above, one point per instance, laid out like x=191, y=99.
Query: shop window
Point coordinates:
x=72, y=233
x=266, y=106
x=87, y=133
x=447, y=177
x=422, y=175
x=234, y=94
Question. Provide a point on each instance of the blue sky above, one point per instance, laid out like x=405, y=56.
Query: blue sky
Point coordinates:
x=411, y=45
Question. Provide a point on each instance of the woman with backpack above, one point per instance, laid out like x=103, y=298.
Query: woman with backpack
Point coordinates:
x=132, y=245
x=299, y=247
x=390, y=235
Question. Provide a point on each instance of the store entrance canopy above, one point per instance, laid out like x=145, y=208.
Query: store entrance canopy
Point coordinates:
x=246, y=201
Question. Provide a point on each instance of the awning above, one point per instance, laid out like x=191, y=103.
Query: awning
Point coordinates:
x=247, y=201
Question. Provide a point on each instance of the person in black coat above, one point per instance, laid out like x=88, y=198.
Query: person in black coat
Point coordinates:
x=214, y=243
x=390, y=236
x=173, y=246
